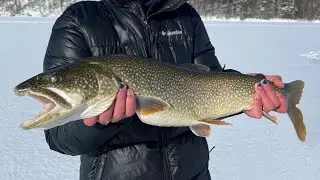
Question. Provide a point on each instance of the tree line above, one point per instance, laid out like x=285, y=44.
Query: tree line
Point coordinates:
x=33, y=7
x=261, y=9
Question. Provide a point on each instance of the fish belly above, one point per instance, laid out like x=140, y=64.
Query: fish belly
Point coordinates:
x=168, y=119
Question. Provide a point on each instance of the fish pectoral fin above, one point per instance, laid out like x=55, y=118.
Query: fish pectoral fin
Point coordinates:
x=270, y=117
x=215, y=122
x=98, y=107
x=147, y=105
x=202, y=130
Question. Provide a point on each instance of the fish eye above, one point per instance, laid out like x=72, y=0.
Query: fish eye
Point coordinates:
x=55, y=79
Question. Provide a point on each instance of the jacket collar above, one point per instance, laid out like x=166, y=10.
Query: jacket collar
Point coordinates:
x=163, y=6
x=170, y=5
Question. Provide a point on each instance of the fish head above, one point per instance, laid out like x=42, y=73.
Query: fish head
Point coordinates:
x=60, y=92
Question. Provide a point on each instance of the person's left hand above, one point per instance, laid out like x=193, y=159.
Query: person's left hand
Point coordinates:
x=266, y=98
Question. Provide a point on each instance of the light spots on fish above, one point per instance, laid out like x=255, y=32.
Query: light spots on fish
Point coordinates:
x=192, y=95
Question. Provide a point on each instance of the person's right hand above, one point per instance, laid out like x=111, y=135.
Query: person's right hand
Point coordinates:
x=124, y=106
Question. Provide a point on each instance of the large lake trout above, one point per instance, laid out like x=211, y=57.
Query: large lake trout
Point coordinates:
x=167, y=95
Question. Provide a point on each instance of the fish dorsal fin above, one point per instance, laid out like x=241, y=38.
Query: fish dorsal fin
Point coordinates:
x=147, y=105
x=260, y=76
x=194, y=67
x=95, y=108
x=202, y=130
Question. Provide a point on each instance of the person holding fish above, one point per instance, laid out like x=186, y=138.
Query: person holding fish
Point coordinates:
x=115, y=144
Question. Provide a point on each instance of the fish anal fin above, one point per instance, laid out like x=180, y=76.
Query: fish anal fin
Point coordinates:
x=147, y=105
x=215, y=122
x=202, y=130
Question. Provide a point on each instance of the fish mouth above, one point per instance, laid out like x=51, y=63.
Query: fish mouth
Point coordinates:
x=50, y=107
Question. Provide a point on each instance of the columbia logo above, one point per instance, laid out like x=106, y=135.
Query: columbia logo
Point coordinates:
x=170, y=33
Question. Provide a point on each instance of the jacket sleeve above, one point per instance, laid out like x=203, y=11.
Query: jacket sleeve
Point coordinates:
x=66, y=45
x=204, y=52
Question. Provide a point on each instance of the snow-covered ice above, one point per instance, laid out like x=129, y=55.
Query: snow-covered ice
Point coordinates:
x=253, y=149
x=24, y=154
x=250, y=149
x=313, y=56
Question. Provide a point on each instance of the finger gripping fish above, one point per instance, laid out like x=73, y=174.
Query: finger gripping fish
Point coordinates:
x=167, y=95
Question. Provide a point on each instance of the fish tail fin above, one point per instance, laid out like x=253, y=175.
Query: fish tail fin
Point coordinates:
x=294, y=92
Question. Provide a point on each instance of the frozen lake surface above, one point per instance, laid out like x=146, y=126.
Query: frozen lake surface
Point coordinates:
x=250, y=149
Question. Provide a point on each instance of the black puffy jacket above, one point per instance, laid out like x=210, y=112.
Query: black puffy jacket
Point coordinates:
x=172, y=32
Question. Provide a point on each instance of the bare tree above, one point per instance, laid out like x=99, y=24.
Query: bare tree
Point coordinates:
x=265, y=9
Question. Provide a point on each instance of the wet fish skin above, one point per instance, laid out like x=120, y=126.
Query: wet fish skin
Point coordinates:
x=167, y=95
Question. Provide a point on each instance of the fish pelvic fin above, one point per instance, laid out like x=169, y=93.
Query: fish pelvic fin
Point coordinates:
x=294, y=92
x=147, y=105
x=202, y=130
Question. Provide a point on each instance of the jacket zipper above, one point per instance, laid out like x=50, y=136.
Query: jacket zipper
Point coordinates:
x=163, y=138
x=164, y=153
x=147, y=27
